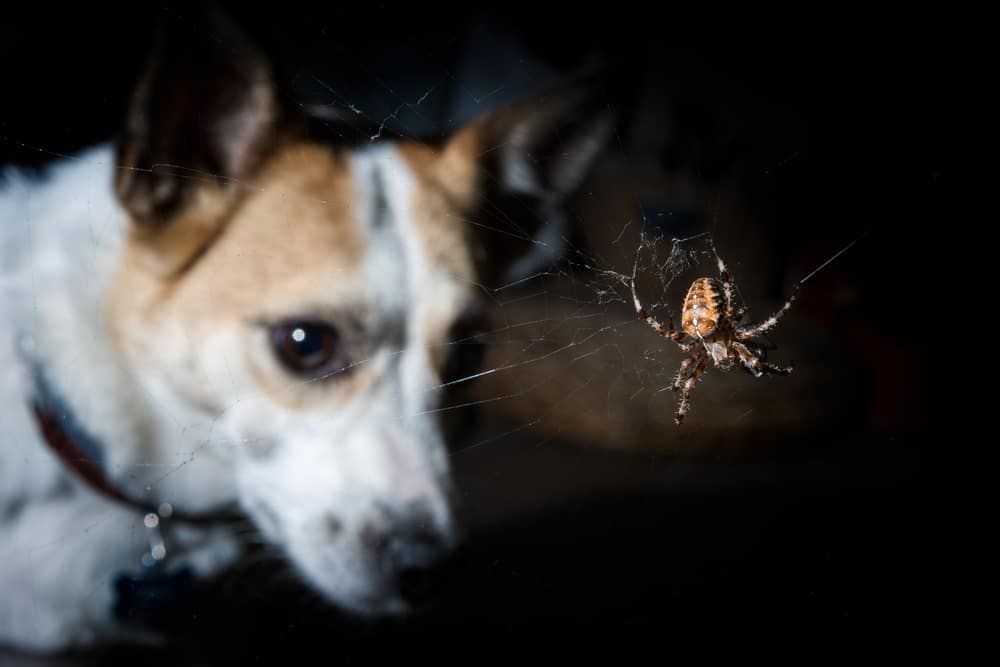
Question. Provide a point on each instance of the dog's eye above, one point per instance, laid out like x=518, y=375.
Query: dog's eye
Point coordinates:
x=311, y=349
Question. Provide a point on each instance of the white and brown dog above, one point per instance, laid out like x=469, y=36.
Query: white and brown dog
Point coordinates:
x=239, y=310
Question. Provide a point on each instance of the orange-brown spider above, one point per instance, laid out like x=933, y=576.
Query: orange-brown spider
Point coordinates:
x=709, y=330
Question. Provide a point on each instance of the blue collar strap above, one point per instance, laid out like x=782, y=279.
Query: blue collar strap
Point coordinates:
x=155, y=588
x=83, y=455
x=77, y=449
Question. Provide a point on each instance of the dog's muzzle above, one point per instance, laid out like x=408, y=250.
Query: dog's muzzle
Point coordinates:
x=414, y=557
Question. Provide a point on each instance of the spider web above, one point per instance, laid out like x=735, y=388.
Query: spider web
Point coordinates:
x=578, y=497
x=569, y=359
x=571, y=356
x=588, y=333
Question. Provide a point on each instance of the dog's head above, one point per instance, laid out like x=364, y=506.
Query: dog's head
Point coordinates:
x=300, y=285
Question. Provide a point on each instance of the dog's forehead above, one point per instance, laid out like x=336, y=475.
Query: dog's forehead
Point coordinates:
x=323, y=226
x=419, y=236
x=399, y=182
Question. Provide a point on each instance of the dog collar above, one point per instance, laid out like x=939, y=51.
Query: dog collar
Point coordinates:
x=75, y=448
x=83, y=455
x=155, y=587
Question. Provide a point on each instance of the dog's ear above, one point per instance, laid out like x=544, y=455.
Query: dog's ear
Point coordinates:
x=513, y=170
x=200, y=120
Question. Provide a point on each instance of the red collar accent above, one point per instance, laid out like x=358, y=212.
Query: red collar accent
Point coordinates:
x=62, y=442
x=59, y=437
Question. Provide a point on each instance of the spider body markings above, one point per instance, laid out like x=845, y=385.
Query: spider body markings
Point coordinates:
x=710, y=331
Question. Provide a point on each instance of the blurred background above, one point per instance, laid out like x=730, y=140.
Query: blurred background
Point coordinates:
x=831, y=507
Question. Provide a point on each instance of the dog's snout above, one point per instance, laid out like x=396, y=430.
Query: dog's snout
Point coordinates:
x=418, y=561
x=413, y=555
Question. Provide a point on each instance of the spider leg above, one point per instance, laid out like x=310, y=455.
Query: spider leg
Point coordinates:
x=685, y=402
x=667, y=332
x=749, y=360
x=756, y=365
x=775, y=369
x=727, y=285
x=685, y=365
x=749, y=331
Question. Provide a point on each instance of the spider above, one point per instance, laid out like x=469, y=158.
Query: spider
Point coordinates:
x=709, y=331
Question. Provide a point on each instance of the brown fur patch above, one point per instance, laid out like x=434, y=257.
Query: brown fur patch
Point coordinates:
x=445, y=182
x=454, y=170
x=437, y=214
x=290, y=245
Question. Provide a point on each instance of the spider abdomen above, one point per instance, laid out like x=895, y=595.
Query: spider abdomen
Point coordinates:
x=704, y=308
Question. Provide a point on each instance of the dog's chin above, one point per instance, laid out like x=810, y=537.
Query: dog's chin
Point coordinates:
x=374, y=607
x=363, y=601
x=349, y=584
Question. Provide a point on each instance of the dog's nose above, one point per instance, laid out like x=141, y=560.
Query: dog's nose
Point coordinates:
x=415, y=557
x=420, y=563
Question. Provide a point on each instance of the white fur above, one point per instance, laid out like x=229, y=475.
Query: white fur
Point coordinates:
x=376, y=456
x=61, y=545
x=382, y=452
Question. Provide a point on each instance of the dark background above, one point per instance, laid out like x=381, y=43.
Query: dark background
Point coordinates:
x=832, y=127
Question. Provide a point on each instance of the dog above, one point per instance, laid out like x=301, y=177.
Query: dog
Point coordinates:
x=243, y=310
